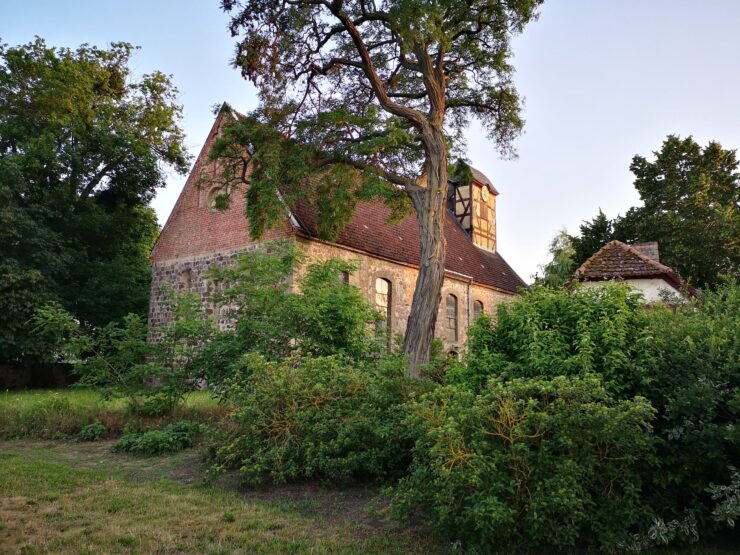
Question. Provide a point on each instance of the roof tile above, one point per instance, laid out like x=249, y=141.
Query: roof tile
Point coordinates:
x=369, y=231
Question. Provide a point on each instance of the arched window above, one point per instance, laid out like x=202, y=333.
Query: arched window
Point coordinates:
x=383, y=300
x=186, y=279
x=477, y=308
x=451, y=312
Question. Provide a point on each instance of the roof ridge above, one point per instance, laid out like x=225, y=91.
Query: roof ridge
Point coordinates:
x=659, y=268
x=645, y=258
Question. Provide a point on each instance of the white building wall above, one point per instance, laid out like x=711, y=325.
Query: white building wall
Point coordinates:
x=651, y=288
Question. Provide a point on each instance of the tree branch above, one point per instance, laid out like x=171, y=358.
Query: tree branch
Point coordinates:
x=367, y=65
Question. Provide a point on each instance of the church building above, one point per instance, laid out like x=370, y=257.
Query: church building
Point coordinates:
x=197, y=236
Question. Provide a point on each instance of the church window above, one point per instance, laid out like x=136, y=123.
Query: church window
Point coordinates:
x=477, y=308
x=383, y=300
x=218, y=199
x=186, y=279
x=451, y=313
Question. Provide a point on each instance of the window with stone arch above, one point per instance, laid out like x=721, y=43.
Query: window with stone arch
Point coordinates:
x=477, y=308
x=451, y=314
x=383, y=303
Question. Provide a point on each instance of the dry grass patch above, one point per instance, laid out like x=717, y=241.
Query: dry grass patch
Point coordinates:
x=55, y=499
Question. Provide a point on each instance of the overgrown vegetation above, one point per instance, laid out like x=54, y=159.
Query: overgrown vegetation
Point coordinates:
x=175, y=437
x=65, y=414
x=153, y=377
x=316, y=418
x=576, y=418
x=527, y=462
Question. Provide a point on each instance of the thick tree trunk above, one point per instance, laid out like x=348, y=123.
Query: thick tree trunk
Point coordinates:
x=430, y=205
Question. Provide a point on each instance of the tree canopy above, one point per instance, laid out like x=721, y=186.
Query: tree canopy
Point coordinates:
x=83, y=147
x=371, y=98
x=690, y=198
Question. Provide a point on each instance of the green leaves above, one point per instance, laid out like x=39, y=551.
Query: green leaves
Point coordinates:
x=322, y=316
x=682, y=361
x=527, y=462
x=83, y=147
x=313, y=418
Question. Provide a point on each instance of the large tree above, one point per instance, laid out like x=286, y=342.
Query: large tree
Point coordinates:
x=83, y=147
x=372, y=97
x=690, y=198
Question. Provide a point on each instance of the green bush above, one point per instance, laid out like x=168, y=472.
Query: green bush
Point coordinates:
x=324, y=316
x=92, y=432
x=685, y=360
x=120, y=362
x=175, y=437
x=315, y=418
x=527, y=462
x=549, y=333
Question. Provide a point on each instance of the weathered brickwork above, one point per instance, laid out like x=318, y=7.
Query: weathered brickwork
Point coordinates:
x=185, y=274
x=194, y=227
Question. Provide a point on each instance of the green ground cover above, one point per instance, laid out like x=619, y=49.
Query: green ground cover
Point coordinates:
x=56, y=413
x=64, y=497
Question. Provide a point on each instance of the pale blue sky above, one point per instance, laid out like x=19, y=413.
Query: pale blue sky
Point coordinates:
x=603, y=81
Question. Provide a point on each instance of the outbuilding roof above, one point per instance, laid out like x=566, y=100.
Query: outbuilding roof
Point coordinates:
x=618, y=261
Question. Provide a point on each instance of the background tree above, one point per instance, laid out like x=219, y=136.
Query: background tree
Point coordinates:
x=690, y=198
x=594, y=235
x=83, y=147
x=558, y=270
x=371, y=98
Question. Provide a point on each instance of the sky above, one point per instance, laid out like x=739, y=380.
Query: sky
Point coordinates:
x=602, y=81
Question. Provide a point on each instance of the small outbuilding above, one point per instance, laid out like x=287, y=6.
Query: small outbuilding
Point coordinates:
x=638, y=265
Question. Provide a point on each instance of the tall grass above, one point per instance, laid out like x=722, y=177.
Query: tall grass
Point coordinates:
x=48, y=414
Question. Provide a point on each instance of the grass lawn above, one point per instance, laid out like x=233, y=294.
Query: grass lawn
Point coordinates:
x=64, y=497
x=84, y=397
x=55, y=413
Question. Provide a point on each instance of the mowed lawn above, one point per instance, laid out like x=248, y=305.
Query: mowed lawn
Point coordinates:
x=65, y=497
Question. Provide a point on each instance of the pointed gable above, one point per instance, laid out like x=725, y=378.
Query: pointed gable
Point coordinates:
x=194, y=227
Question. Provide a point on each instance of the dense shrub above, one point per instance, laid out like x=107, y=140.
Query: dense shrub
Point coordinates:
x=175, y=437
x=323, y=316
x=685, y=360
x=549, y=333
x=527, y=462
x=315, y=417
x=91, y=432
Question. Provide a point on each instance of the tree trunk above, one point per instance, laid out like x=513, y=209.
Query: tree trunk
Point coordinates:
x=430, y=204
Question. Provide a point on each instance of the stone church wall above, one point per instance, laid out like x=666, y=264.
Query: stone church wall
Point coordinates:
x=189, y=273
x=403, y=281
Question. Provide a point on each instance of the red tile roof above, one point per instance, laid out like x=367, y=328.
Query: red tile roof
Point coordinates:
x=368, y=231
x=617, y=260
